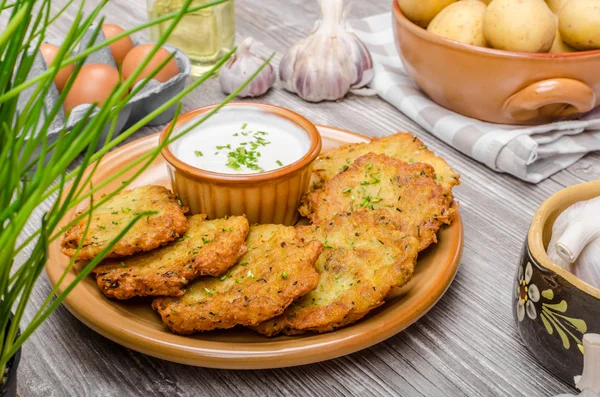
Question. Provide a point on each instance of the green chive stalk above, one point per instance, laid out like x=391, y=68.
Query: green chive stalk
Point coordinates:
x=33, y=170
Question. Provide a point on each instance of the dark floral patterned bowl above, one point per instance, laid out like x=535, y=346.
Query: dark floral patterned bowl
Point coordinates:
x=553, y=309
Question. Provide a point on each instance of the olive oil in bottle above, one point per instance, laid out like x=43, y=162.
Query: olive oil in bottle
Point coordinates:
x=204, y=35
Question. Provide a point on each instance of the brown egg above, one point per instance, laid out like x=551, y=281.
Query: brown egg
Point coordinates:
x=49, y=52
x=137, y=56
x=121, y=47
x=93, y=84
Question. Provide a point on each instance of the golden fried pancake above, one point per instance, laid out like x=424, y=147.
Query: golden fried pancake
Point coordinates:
x=209, y=248
x=402, y=146
x=407, y=192
x=110, y=218
x=278, y=268
x=364, y=258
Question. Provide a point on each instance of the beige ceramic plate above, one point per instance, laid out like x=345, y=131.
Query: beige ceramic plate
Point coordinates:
x=133, y=323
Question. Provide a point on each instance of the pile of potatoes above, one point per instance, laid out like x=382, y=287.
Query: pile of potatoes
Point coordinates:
x=555, y=26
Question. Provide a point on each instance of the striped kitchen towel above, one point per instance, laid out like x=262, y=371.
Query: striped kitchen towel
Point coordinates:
x=530, y=153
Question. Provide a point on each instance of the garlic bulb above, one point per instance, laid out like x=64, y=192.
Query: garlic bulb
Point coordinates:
x=241, y=66
x=575, y=242
x=589, y=381
x=329, y=62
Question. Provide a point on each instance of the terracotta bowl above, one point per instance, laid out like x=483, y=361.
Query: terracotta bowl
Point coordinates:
x=498, y=86
x=553, y=309
x=266, y=197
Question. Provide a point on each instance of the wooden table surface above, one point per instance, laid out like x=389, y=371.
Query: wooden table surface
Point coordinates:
x=466, y=345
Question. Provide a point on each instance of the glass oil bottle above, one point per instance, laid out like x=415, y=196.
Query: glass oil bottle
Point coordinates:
x=204, y=35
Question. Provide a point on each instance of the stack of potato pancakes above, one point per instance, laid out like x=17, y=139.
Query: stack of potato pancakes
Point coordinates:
x=372, y=208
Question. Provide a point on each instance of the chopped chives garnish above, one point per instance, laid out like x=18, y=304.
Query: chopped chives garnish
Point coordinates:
x=198, y=153
x=366, y=200
x=246, y=154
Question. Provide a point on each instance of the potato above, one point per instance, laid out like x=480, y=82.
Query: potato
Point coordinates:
x=462, y=21
x=421, y=12
x=519, y=25
x=579, y=24
x=555, y=5
x=483, y=1
x=559, y=46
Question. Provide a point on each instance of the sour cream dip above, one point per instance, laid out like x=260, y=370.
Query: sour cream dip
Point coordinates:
x=240, y=140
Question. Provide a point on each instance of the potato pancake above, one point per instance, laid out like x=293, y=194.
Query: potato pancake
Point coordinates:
x=402, y=146
x=277, y=269
x=365, y=256
x=408, y=192
x=109, y=219
x=208, y=248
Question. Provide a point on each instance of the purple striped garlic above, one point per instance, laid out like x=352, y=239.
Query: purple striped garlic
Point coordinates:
x=240, y=67
x=329, y=62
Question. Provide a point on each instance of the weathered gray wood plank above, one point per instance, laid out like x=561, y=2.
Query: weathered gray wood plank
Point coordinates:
x=466, y=345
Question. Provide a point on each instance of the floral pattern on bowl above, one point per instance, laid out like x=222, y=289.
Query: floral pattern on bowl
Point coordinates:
x=527, y=294
x=552, y=316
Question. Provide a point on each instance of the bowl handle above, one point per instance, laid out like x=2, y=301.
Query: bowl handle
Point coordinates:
x=550, y=99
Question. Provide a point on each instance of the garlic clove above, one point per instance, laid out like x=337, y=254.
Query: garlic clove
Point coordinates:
x=575, y=241
x=589, y=381
x=580, y=224
x=329, y=62
x=587, y=266
x=240, y=67
x=577, y=236
x=364, y=64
